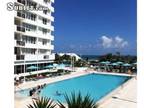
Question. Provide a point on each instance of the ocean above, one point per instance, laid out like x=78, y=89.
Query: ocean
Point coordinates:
x=90, y=57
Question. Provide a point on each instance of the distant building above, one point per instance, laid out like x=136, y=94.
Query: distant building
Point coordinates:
x=70, y=54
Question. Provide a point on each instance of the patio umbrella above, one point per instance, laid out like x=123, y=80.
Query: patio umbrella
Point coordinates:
x=49, y=66
x=126, y=64
x=114, y=64
x=32, y=67
x=107, y=62
x=103, y=62
x=55, y=64
x=119, y=62
x=61, y=66
x=135, y=63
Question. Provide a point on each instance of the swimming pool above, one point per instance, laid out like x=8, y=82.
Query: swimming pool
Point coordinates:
x=96, y=85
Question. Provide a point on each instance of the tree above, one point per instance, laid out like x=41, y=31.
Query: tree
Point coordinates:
x=57, y=58
x=80, y=63
x=77, y=101
x=118, y=54
x=73, y=101
x=42, y=103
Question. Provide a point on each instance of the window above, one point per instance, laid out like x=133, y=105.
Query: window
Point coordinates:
x=44, y=21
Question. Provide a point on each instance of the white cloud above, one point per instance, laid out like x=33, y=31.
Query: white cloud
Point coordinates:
x=118, y=39
x=116, y=42
x=106, y=41
x=125, y=43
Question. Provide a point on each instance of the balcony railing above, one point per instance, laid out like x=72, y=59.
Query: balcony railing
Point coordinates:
x=21, y=43
x=20, y=14
x=19, y=28
x=20, y=57
x=46, y=56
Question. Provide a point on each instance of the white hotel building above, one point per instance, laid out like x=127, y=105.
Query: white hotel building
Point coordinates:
x=33, y=37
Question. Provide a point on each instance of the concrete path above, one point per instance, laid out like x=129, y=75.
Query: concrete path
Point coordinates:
x=125, y=98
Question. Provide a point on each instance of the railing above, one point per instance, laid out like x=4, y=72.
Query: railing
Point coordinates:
x=21, y=43
x=19, y=28
x=21, y=14
x=20, y=57
x=46, y=56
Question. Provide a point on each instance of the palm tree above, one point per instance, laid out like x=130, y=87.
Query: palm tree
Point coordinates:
x=77, y=101
x=42, y=103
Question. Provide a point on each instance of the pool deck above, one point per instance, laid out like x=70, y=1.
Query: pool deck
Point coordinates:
x=126, y=96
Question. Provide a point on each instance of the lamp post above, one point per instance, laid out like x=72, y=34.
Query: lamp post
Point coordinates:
x=72, y=63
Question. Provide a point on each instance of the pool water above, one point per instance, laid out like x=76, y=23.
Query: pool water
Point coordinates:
x=96, y=85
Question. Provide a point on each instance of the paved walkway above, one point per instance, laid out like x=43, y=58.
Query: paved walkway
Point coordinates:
x=125, y=98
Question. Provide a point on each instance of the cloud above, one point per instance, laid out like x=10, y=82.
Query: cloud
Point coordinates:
x=106, y=41
x=116, y=42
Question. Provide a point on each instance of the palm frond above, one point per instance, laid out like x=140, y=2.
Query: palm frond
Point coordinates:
x=42, y=103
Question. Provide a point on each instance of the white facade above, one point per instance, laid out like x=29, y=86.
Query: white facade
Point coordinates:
x=70, y=54
x=33, y=36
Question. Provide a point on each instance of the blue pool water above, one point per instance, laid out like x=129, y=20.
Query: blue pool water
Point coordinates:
x=96, y=85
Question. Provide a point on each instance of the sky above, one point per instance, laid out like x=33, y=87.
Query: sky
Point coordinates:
x=95, y=27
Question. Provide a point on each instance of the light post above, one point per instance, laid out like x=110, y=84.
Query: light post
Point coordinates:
x=72, y=63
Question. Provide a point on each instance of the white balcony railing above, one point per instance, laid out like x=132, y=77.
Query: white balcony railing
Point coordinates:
x=52, y=57
x=19, y=29
x=29, y=57
x=51, y=47
x=48, y=16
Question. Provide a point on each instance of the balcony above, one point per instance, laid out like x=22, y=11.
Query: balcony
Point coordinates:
x=49, y=57
x=47, y=16
x=52, y=57
x=46, y=57
x=52, y=28
x=20, y=43
x=51, y=47
x=44, y=25
x=51, y=37
x=30, y=57
x=19, y=14
x=19, y=28
x=30, y=45
x=29, y=21
x=20, y=57
x=39, y=34
x=37, y=57
x=31, y=33
x=45, y=46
